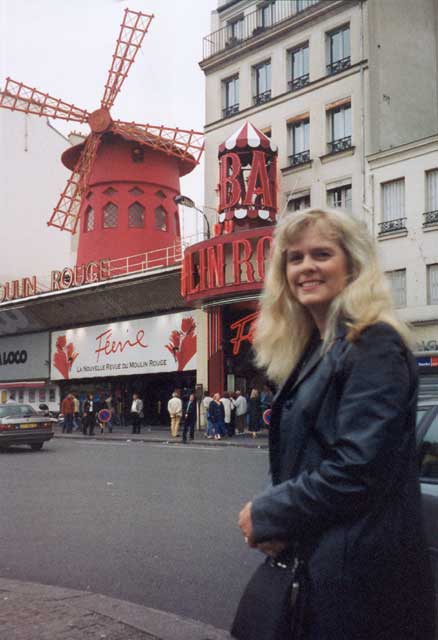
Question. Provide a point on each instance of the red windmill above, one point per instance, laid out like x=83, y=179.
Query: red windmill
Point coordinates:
x=124, y=175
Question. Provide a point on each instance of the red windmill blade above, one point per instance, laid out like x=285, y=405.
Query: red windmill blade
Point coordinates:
x=65, y=215
x=132, y=32
x=182, y=143
x=17, y=96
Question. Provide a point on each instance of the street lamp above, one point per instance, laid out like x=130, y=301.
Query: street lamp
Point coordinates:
x=185, y=201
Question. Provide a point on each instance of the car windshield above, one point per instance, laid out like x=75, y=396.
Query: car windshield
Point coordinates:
x=16, y=411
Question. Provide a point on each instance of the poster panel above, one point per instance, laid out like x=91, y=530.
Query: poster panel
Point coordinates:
x=151, y=345
x=24, y=357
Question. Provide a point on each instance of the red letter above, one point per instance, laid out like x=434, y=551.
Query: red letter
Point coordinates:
x=215, y=263
x=257, y=175
x=260, y=255
x=238, y=261
x=229, y=186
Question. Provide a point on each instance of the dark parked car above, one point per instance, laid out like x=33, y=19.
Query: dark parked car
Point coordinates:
x=21, y=424
x=427, y=438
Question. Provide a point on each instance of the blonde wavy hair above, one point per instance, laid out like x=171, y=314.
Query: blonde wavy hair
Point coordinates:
x=284, y=326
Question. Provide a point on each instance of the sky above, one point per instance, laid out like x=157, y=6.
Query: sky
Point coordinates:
x=64, y=48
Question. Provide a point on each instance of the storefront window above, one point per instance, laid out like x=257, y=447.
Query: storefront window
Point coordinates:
x=42, y=395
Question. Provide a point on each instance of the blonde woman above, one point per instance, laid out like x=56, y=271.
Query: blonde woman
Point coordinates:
x=254, y=412
x=345, y=501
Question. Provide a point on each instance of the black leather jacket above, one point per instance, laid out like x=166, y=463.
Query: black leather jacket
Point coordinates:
x=345, y=488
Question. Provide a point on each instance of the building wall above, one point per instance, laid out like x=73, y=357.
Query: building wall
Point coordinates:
x=324, y=172
x=416, y=248
x=32, y=178
x=403, y=62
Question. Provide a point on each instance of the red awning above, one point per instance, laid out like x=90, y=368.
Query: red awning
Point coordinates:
x=247, y=137
x=22, y=385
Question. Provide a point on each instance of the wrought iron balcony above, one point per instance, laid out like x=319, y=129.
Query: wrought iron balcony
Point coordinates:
x=430, y=217
x=260, y=98
x=298, y=83
x=338, y=65
x=391, y=226
x=230, y=111
x=342, y=144
x=299, y=158
x=251, y=27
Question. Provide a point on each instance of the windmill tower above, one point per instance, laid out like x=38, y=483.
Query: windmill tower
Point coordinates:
x=120, y=195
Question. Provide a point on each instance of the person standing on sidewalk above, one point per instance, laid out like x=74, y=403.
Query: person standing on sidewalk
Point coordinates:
x=89, y=416
x=76, y=413
x=241, y=409
x=136, y=413
x=228, y=407
x=190, y=418
x=217, y=416
x=344, y=509
x=206, y=401
x=255, y=412
x=68, y=410
x=174, y=407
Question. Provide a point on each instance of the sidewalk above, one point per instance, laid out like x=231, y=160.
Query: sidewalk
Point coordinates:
x=30, y=611
x=161, y=434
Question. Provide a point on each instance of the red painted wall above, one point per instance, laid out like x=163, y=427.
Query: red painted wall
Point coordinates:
x=156, y=176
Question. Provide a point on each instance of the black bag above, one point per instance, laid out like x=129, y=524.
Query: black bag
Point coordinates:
x=272, y=604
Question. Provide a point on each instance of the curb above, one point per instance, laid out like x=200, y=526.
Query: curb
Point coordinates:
x=155, y=624
x=161, y=440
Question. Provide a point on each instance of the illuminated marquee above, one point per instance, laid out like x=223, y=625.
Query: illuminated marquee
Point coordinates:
x=225, y=262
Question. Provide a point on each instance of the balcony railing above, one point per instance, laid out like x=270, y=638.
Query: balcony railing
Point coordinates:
x=260, y=98
x=230, y=111
x=390, y=226
x=251, y=26
x=299, y=158
x=342, y=144
x=430, y=217
x=338, y=66
x=298, y=83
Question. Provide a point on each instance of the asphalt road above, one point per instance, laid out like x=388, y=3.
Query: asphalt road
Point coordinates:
x=148, y=523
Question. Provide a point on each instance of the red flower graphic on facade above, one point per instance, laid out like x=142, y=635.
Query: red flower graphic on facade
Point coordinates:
x=182, y=343
x=64, y=356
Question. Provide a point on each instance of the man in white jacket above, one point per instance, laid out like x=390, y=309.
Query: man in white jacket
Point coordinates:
x=174, y=407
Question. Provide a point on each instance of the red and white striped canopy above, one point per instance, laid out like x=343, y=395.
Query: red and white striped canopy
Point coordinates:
x=247, y=137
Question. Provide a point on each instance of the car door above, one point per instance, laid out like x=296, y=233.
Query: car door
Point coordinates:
x=427, y=430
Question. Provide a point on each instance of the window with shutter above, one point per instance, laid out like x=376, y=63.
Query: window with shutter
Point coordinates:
x=432, y=278
x=397, y=282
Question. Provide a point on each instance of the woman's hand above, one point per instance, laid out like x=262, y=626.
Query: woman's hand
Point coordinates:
x=271, y=547
x=245, y=524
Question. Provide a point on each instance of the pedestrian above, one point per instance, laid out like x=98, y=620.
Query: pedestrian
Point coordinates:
x=217, y=416
x=266, y=398
x=136, y=413
x=241, y=408
x=254, y=413
x=205, y=405
x=228, y=403
x=174, y=407
x=76, y=413
x=68, y=410
x=109, y=406
x=89, y=416
x=344, y=511
x=190, y=418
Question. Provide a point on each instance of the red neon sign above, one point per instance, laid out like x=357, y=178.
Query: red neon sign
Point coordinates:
x=244, y=331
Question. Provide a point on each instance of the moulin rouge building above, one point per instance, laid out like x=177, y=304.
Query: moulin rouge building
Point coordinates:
x=225, y=273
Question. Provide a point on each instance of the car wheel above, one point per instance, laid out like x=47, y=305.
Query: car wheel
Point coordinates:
x=37, y=446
